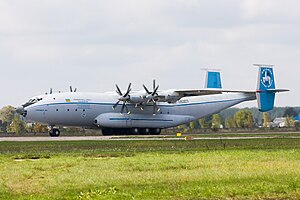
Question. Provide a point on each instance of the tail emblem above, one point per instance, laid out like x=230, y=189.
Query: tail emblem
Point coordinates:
x=266, y=77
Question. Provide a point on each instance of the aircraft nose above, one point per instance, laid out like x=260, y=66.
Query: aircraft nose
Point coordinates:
x=21, y=111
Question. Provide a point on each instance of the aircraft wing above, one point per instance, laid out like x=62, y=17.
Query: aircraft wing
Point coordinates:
x=201, y=92
x=174, y=95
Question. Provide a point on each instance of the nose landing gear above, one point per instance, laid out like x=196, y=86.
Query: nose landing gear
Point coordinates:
x=54, y=132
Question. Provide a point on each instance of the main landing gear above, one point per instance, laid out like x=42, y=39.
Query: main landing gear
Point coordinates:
x=131, y=131
x=54, y=132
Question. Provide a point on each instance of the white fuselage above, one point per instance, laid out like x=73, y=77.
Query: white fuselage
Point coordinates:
x=95, y=110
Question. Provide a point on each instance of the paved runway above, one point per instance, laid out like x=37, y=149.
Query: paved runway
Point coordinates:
x=106, y=138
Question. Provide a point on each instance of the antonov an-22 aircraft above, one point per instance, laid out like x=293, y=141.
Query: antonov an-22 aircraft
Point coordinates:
x=145, y=111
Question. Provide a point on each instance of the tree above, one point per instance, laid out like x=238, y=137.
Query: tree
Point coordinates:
x=7, y=114
x=244, y=119
x=266, y=119
x=39, y=128
x=289, y=122
x=193, y=124
x=216, y=121
x=16, y=126
x=290, y=112
x=203, y=123
x=230, y=122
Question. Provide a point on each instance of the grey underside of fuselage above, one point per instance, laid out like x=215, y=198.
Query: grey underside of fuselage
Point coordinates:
x=169, y=115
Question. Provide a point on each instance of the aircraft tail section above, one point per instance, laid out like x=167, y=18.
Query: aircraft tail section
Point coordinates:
x=266, y=88
x=213, y=80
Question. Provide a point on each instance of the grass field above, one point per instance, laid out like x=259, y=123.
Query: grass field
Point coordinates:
x=202, y=169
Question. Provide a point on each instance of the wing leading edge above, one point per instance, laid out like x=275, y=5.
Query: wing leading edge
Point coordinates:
x=178, y=93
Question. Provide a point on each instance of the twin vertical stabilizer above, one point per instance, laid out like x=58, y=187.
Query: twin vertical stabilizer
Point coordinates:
x=213, y=79
x=265, y=88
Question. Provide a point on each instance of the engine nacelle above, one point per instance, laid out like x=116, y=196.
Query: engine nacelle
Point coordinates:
x=137, y=99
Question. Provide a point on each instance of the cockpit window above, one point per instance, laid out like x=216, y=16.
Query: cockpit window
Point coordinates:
x=32, y=101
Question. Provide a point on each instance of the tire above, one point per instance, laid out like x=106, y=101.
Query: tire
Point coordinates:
x=135, y=131
x=144, y=131
x=147, y=131
x=54, y=132
x=155, y=131
x=107, y=132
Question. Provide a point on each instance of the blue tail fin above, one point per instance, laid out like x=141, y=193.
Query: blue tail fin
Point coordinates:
x=265, y=88
x=213, y=80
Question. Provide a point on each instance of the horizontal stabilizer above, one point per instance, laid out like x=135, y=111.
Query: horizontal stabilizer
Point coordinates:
x=273, y=90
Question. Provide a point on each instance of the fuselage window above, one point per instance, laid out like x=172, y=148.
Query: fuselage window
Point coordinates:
x=76, y=110
x=68, y=109
x=83, y=110
x=56, y=109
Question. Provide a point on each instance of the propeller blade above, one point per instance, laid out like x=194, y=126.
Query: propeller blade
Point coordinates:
x=128, y=90
x=127, y=93
x=118, y=90
x=157, y=108
x=148, y=92
x=116, y=104
x=50, y=92
x=154, y=108
x=129, y=87
x=75, y=89
x=123, y=106
x=153, y=84
x=155, y=91
x=71, y=89
x=128, y=112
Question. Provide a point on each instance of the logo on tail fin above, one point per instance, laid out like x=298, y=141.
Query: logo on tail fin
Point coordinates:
x=266, y=77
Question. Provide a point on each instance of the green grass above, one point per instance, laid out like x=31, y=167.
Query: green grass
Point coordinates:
x=210, y=169
x=227, y=135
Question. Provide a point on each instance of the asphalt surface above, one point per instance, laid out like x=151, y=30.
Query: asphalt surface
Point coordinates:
x=96, y=138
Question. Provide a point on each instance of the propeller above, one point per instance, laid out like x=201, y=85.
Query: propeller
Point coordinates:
x=123, y=97
x=152, y=97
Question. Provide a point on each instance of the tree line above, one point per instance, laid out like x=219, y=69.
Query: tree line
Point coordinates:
x=11, y=122
x=235, y=118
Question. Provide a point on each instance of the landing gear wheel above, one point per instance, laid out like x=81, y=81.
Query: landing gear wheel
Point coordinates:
x=144, y=131
x=147, y=131
x=107, y=131
x=135, y=131
x=54, y=132
x=155, y=131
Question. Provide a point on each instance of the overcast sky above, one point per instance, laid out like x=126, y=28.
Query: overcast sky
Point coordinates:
x=94, y=44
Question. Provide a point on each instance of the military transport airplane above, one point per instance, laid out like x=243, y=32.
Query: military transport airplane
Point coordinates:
x=145, y=111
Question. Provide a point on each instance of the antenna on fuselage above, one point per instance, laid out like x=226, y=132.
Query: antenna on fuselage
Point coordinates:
x=71, y=89
x=50, y=91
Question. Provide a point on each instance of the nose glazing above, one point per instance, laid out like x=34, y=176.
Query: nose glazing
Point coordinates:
x=21, y=111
